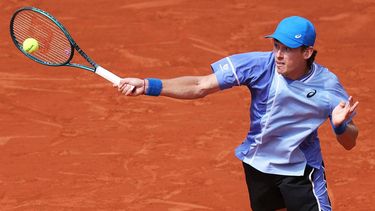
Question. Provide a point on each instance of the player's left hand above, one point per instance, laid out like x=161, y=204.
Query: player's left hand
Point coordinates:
x=343, y=111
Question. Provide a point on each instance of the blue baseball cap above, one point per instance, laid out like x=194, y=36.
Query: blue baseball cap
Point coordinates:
x=294, y=32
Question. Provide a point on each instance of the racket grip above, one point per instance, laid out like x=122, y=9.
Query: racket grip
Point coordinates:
x=107, y=75
x=110, y=76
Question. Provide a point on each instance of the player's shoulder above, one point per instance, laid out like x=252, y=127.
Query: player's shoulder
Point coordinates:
x=257, y=55
x=325, y=76
x=253, y=58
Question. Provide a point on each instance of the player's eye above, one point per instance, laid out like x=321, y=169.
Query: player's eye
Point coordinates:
x=276, y=46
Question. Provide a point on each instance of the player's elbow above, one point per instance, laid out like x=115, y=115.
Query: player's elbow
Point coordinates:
x=349, y=138
x=349, y=141
x=203, y=91
x=199, y=93
x=349, y=146
x=206, y=85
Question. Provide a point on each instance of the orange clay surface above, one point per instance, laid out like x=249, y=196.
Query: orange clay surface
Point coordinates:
x=70, y=141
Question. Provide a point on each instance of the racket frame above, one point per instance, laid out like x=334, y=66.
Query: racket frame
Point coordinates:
x=73, y=44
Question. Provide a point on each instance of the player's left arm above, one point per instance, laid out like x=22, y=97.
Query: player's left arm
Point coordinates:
x=347, y=134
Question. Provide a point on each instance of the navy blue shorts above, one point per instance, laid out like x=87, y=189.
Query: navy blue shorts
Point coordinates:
x=269, y=192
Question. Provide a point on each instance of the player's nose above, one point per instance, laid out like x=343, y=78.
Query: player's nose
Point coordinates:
x=279, y=54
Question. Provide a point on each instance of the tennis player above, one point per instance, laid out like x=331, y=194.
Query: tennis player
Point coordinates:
x=291, y=96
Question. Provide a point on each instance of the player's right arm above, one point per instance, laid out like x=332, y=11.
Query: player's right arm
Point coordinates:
x=186, y=87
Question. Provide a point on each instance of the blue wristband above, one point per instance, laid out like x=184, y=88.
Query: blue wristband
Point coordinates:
x=154, y=87
x=340, y=129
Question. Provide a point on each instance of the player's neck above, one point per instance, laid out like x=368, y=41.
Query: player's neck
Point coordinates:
x=299, y=74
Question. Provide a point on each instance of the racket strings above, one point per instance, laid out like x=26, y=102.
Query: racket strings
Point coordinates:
x=54, y=46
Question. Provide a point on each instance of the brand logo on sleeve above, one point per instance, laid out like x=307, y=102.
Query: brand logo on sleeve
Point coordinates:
x=226, y=67
x=311, y=93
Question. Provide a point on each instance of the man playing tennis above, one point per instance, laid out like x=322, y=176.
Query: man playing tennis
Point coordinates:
x=291, y=96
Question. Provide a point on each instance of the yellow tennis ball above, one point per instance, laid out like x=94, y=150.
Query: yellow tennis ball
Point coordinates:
x=30, y=45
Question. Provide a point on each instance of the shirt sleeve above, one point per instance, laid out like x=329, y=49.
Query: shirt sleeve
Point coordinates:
x=239, y=69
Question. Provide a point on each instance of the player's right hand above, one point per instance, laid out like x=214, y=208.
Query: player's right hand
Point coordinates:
x=131, y=86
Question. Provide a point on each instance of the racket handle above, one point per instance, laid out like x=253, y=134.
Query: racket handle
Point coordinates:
x=107, y=75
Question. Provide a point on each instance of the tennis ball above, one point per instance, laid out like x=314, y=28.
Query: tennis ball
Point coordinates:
x=30, y=45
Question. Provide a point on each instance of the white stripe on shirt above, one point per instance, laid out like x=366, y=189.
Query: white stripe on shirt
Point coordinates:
x=233, y=70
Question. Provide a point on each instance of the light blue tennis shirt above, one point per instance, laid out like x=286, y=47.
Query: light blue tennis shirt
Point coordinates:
x=284, y=115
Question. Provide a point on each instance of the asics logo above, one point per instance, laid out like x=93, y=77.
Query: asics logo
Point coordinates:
x=311, y=93
x=297, y=36
x=226, y=67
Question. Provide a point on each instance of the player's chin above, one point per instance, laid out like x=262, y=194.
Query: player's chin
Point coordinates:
x=281, y=70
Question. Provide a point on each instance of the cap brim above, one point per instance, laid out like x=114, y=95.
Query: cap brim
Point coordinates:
x=268, y=36
x=285, y=40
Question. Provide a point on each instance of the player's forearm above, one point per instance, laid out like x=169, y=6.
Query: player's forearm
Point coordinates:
x=349, y=137
x=188, y=87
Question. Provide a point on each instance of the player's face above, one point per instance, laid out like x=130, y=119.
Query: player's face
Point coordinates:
x=290, y=62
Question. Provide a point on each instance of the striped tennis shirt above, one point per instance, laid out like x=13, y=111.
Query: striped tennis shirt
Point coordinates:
x=284, y=114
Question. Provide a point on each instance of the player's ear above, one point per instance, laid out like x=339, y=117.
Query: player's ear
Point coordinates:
x=307, y=52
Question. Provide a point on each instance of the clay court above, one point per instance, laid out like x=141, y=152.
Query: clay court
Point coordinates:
x=70, y=141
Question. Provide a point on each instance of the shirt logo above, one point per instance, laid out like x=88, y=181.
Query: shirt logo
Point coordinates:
x=297, y=36
x=226, y=67
x=311, y=93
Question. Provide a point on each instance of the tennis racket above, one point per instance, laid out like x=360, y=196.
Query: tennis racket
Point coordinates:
x=56, y=46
